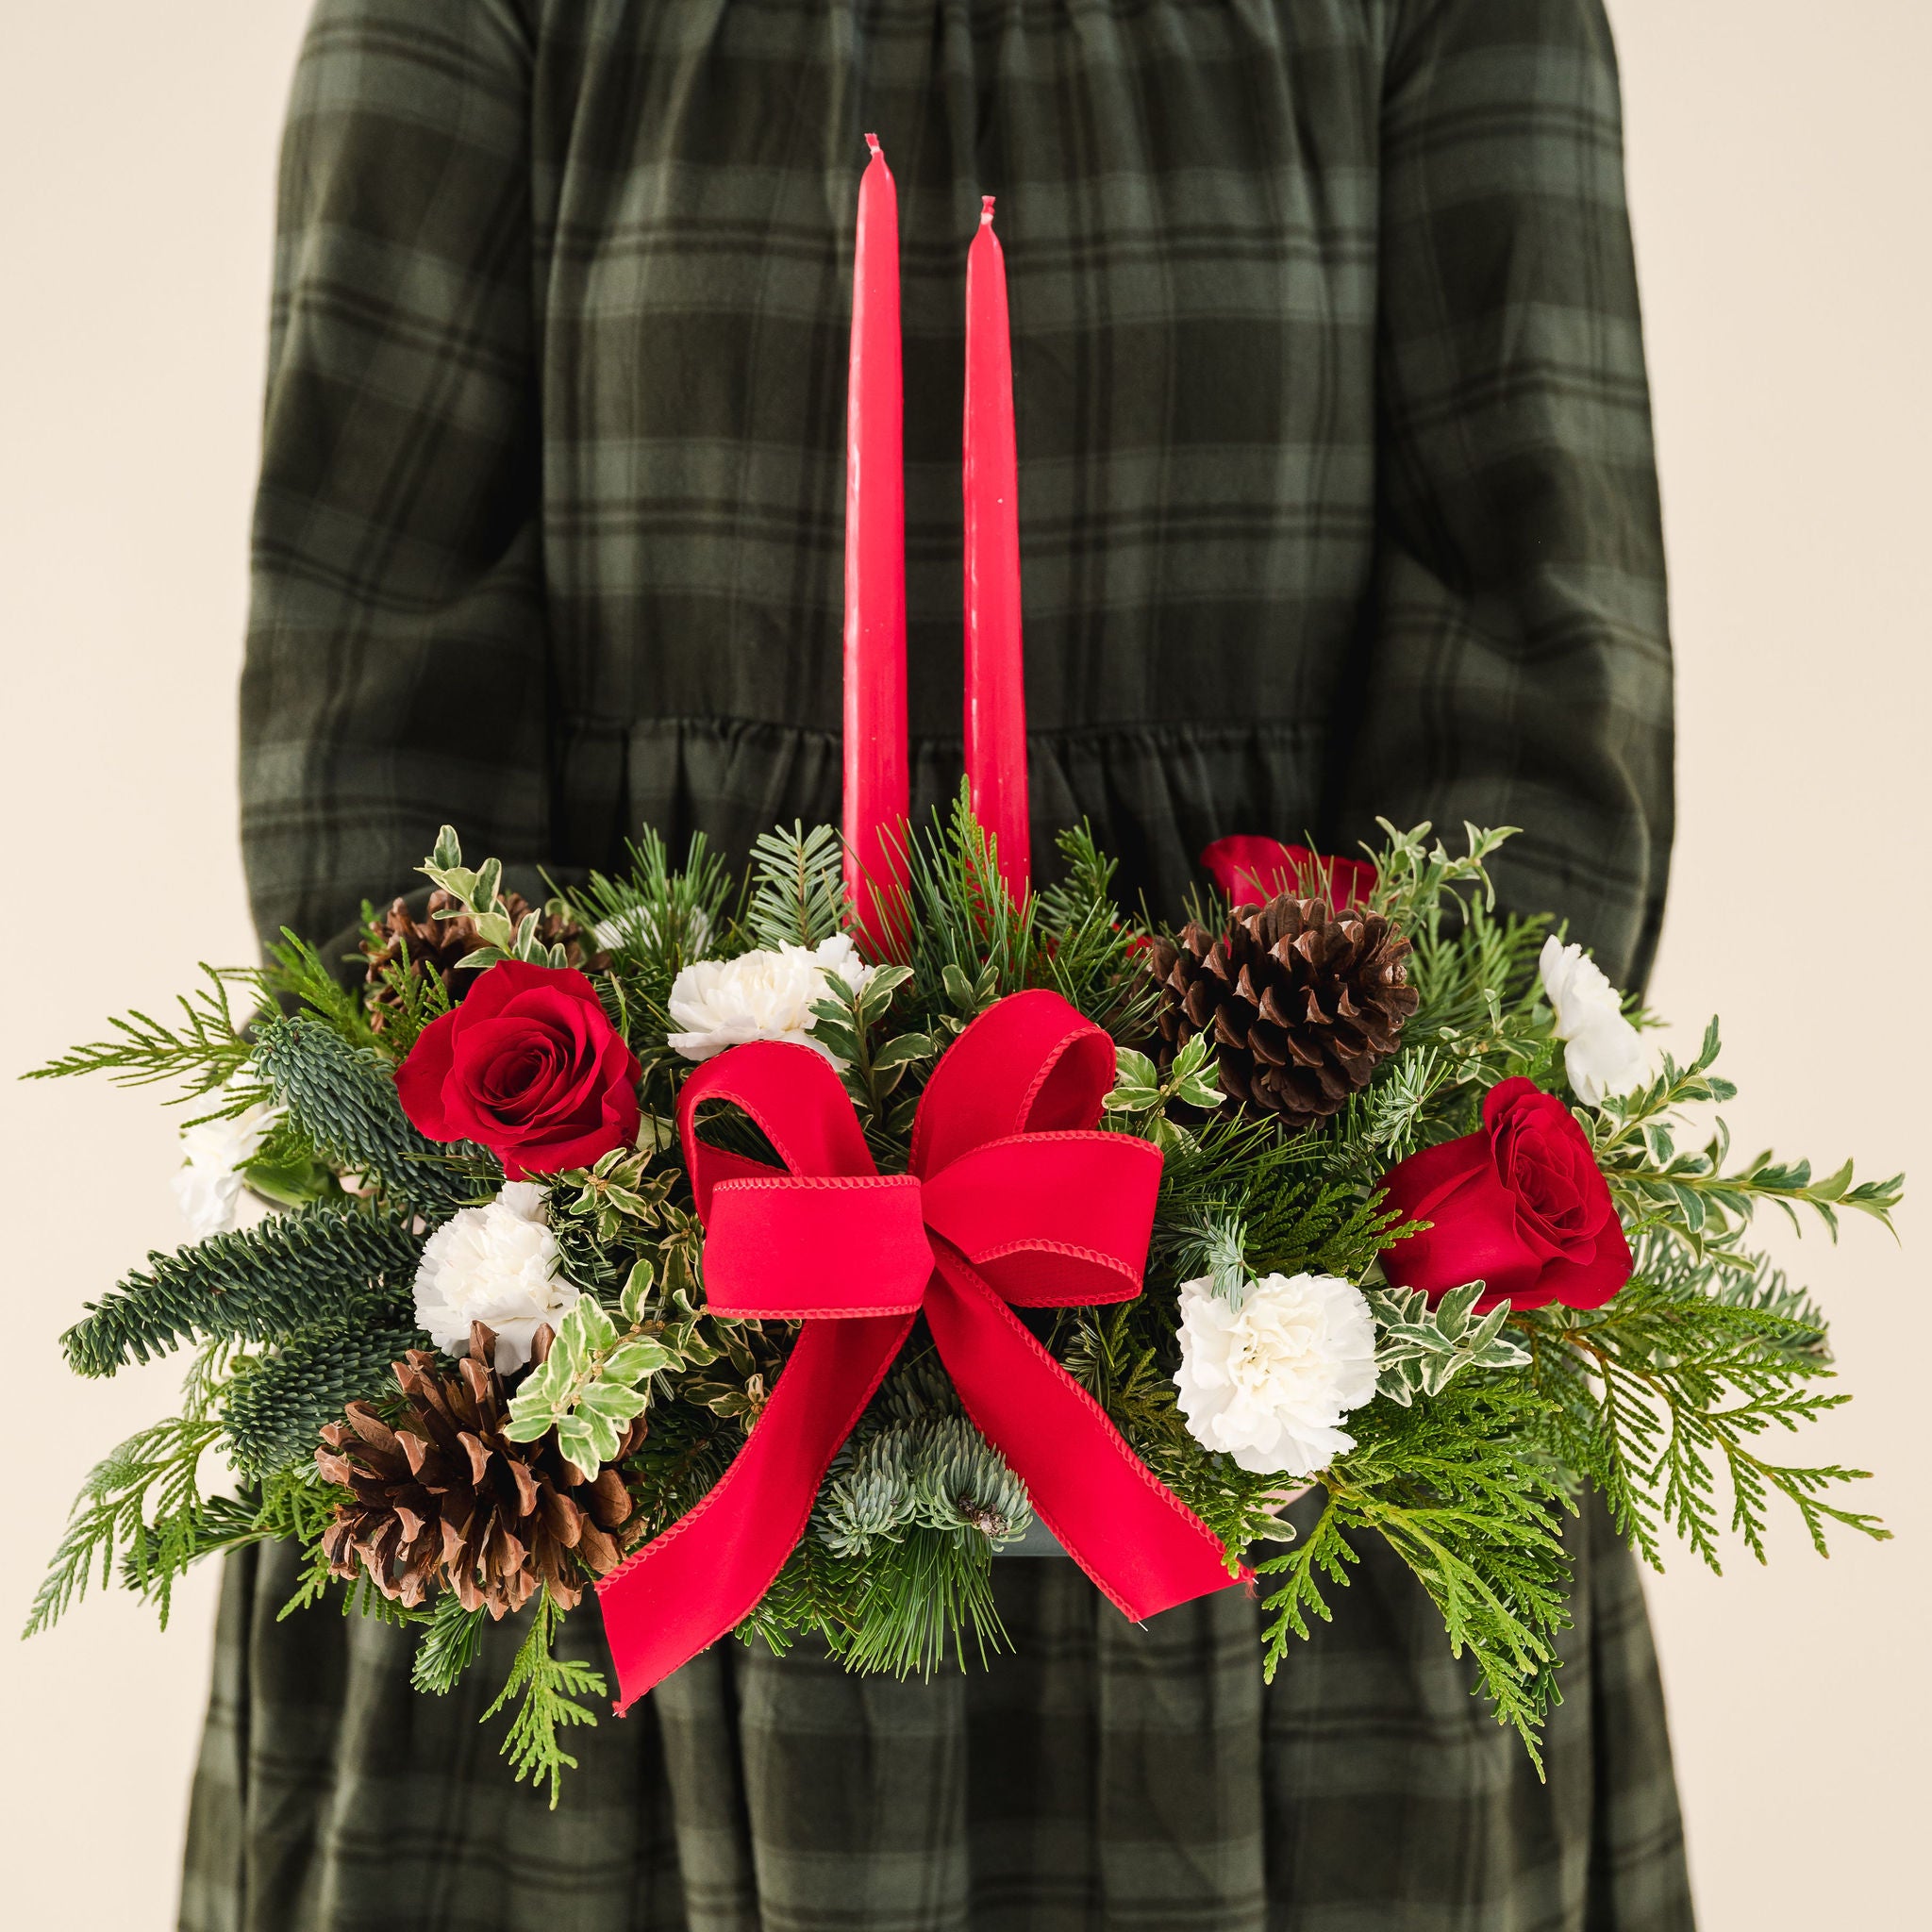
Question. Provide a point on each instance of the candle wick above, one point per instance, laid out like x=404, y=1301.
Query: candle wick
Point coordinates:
x=986, y=210
x=872, y=141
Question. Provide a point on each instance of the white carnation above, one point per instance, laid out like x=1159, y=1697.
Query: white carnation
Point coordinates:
x=209, y=1186
x=637, y=926
x=760, y=996
x=1268, y=1382
x=498, y=1264
x=1603, y=1053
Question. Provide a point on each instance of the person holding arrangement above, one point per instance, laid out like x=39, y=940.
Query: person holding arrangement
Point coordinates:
x=1335, y=500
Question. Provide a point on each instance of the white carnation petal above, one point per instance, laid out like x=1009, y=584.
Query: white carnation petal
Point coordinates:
x=497, y=1264
x=764, y=994
x=1268, y=1383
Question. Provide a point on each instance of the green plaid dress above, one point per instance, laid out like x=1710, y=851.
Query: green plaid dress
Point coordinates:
x=1337, y=500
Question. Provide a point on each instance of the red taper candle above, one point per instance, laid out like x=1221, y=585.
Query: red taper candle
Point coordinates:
x=878, y=785
x=995, y=659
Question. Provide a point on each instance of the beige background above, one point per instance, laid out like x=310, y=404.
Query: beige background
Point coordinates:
x=1780, y=161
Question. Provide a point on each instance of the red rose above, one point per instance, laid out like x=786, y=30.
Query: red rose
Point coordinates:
x=1251, y=870
x=1520, y=1206
x=528, y=1065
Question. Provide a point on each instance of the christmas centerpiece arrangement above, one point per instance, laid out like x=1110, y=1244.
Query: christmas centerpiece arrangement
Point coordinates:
x=765, y=1252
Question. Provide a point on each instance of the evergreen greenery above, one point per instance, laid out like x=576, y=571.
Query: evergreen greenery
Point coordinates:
x=448, y=1645
x=263, y=1284
x=204, y=1050
x=1668, y=1400
x=343, y=1098
x=549, y=1686
x=140, y=1500
x=275, y=1403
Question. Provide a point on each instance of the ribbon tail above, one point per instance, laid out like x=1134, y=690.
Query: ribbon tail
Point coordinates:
x=703, y=1576
x=1144, y=1549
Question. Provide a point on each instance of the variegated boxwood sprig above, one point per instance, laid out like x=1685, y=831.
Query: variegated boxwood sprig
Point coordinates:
x=966, y=996
x=1422, y=1349
x=617, y=1191
x=596, y=1380
x=1141, y=1094
x=479, y=892
x=622, y=1207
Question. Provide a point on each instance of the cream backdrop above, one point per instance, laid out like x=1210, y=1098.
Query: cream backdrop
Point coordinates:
x=1780, y=158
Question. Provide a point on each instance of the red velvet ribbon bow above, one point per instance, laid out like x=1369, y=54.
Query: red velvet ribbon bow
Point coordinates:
x=1013, y=1200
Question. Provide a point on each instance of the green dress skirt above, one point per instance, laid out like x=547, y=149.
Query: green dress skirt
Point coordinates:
x=1337, y=502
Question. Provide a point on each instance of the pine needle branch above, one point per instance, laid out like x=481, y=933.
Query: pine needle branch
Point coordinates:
x=797, y=887
x=448, y=1647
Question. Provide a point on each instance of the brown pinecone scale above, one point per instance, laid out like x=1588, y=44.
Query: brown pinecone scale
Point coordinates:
x=444, y=1498
x=1301, y=1002
x=443, y=935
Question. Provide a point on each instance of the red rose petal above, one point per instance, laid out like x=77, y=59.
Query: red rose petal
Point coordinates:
x=420, y=1078
x=1591, y=1283
x=530, y=1066
x=1473, y=1234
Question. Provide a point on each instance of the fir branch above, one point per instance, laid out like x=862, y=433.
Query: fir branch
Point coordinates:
x=549, y=1686
x=653, y=921
x=896, y=1570
x=963, y=921
x=448, y=1646
x=797, y=887
x=927, y=1470
x=275, y=1405
x=343, y=1099
x=260, y=1284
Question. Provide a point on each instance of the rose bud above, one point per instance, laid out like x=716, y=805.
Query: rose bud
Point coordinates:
x=529, y=1066
x=1520, y=1206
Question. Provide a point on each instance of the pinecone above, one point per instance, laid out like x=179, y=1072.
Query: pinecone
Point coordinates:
x=444, y=1497
x=443, y=935
x=1300, y=1002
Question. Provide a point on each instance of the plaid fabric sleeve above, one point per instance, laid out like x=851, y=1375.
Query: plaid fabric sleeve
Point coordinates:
x=1518, y=668
x=396, y=665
